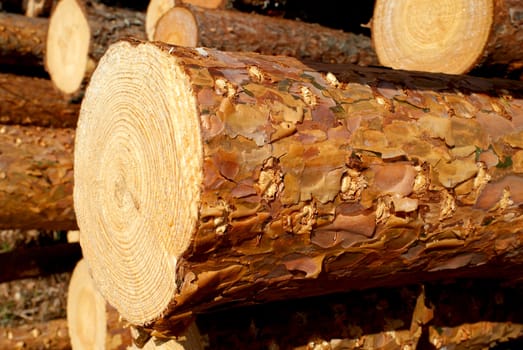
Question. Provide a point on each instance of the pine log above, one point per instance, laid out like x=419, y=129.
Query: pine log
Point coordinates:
x=78, y=35
x=22, y=40
x=92, y=323
x=235, y=178
x=157, y=8
x=39, y=261
x=452, y=37
x=46, y=335
x=35, y=101
x=459, y=315
x=240, y=31
x=36, y=178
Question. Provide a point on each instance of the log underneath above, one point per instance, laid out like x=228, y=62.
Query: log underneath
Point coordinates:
x=205, y=178
x=79, y=33
x=92, y=323
x=36, y=178
x=459, y=315
x=240, y=31
x=22, y=40
x=451, y=37
x=35, y=101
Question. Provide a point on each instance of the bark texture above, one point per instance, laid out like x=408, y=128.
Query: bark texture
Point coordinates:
x=296, y=180
x=22, y=40
x=36, y=178
x=35, y=101
x=240, y=31
x=39, y=261
x=79, y=33
x=452, y=38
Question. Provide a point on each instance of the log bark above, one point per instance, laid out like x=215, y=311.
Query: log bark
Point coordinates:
x=36, y=179
x=79, y=33
x=237, y=178
x=34, y=101
x=157, y=8
x=450, y=38
x=239, y=31
x=46, y=335
x=39, y=261
x=22, y=40
x=92, y=323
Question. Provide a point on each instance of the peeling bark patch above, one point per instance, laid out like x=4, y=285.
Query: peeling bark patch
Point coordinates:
x=448, y=205
x=352, y=184
x=270, y=180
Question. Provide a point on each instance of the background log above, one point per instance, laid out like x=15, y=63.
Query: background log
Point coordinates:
x=22, y=40
x=79, y=34
x=239, y=31
x=36, y=179
x=294, y=182
x=157, y=8
x=452, y=38
x=35, y=101
x=92, y=323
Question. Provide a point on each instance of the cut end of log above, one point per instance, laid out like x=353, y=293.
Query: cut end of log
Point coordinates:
x=434, y=36
x=177, y=27
x=86, y=317
x=155, y=10
x=138, y=171
x=67, y=46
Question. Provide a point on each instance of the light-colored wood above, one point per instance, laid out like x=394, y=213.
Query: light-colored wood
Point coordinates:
x=206, y=178
x=448, y=36
x=92, y=323
x=78, y=35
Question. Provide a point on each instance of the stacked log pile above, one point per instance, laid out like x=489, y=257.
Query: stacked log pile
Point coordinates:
x=224, y=159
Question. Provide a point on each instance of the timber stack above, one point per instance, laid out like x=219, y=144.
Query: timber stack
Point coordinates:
x=272, y=171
